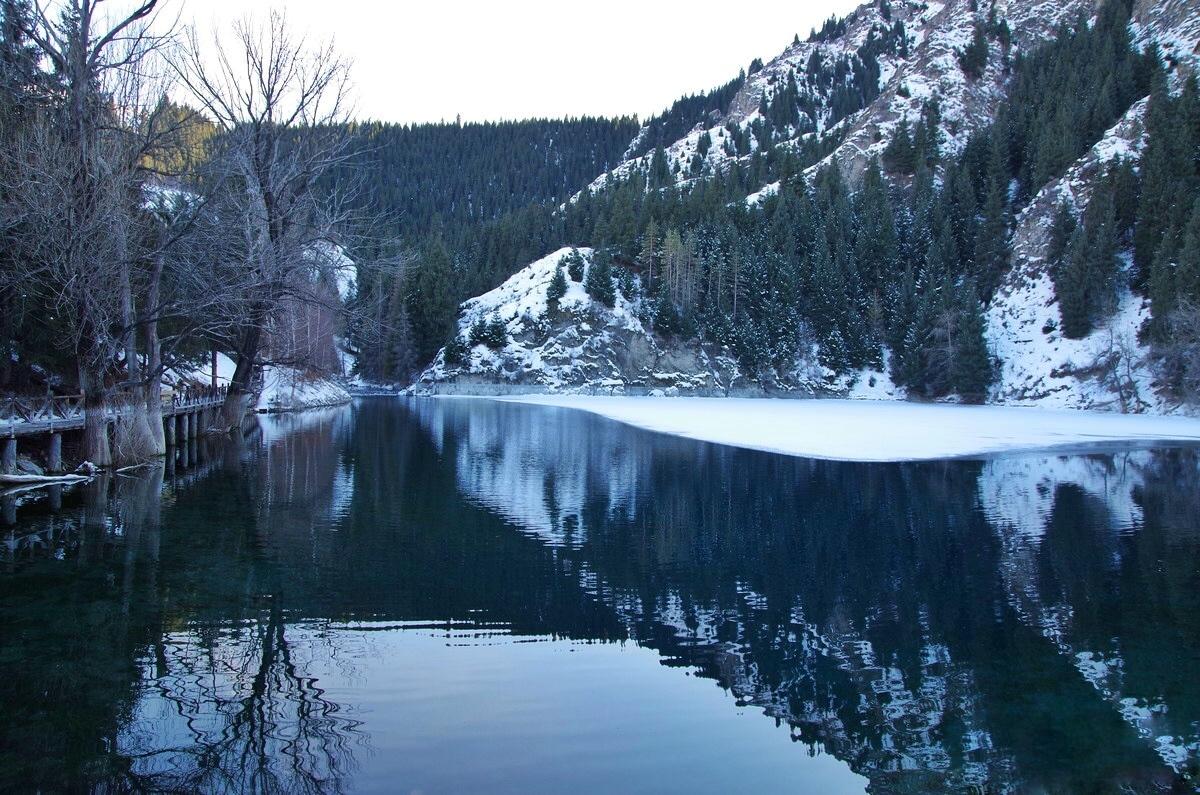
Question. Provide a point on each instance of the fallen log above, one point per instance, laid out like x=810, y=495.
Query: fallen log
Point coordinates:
x=49, y=480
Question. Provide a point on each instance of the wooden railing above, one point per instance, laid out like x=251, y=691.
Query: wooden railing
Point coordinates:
x=27, y=414
x=45, y=409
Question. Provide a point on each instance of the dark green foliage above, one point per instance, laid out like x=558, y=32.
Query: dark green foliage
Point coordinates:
x=456, y=352
x=1170, y=175
x=1069, y=92
x=492, y=332
x=432, y=301
x=683, y=115
x=974, y=57
x=909, y=266
x=971, y=368
x=991, y=235
x=575, y=265
x=599, y=283
x=557, y=289
x=665, y=316
x=1086, y=276
x=448, y=175
x=899, y=156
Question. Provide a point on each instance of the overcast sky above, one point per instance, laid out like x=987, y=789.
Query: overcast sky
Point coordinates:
x=436, y=59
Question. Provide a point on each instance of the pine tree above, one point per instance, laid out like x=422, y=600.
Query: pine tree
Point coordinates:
x=575, y=265
x=556, y=290
x=1070, y=285
x=599, y=282
x=1187, y=268
x=401, y=347
x=973, y=59
x=991, y=241
x=876, y=249
x=899, y=156
x=1087, y=276
x=431, y=301
x=972, y=368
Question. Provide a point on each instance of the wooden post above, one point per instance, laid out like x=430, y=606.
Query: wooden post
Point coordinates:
x=8, y=463
x=169, y=429
x=10, y=510
x=55, y=497
x=54, y=454
x=192, y=423
x=181, y=428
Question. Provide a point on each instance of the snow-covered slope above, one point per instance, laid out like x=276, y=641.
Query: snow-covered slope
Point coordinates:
x=916, y=45
x=1108, y=369
x=287, y=389
x=583, y=346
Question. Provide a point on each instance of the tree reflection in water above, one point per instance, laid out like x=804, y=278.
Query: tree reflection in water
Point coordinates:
x=1020, y=623
x=1024, y=622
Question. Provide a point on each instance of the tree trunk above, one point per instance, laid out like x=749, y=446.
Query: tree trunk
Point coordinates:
x=237, y=399
x=95, y=419
x=135, y=441
x=154, y=415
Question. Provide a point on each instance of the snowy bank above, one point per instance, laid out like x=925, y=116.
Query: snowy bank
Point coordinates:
x=865, y=430
x=285, y=389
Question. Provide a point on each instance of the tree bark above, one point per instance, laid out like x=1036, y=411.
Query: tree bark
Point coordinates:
x=95, y=418
x=154, y=415
x=238, y=397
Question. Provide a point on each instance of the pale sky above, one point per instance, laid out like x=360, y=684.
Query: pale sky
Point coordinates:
x=435, y=59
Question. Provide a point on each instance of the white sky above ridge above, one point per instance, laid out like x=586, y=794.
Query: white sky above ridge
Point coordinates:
x=418, y=62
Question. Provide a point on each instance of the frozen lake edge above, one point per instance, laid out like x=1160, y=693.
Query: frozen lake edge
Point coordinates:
x=876, y=431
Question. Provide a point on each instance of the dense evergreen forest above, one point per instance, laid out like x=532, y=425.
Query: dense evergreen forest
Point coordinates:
x=427, y=177
x=905, y=262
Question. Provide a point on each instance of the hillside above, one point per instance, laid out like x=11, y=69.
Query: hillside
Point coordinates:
x=942, y=200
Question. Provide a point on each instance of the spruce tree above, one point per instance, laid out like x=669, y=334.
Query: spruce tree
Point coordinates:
x=599, y=282
x=991, y=240
x=575, y=265
x=1071, y=287
x=431, y=301
x=1187, y=268
x=972, y=368
x=556, y=290
x=899, y=155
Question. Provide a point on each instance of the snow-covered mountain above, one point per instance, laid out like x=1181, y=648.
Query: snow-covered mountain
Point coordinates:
x=851, y=87
x=855, y=82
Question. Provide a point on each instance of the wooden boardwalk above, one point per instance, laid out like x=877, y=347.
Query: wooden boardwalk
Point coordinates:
x=183, y=414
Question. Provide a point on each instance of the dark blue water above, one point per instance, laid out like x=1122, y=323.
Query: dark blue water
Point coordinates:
x=465, y=596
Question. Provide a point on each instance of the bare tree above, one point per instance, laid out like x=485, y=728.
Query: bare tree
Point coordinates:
x=74, y=191
x=282, y=106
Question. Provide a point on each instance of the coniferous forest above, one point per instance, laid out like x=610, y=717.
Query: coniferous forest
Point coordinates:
x=907, y=259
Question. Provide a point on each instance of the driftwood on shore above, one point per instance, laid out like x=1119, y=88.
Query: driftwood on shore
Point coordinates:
x=49, y=480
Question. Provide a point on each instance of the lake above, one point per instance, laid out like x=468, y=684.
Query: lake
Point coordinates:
x=422, y=595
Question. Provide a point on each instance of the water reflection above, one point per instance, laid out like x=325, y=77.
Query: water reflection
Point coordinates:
x=409, y=594
x=1022, y=622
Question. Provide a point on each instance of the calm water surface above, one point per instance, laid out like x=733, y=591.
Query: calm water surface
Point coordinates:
x=463, y=596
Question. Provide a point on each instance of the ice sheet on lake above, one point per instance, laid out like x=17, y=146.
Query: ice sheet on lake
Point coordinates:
x=861, y=430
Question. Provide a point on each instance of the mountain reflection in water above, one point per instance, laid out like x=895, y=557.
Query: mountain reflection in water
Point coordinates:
x=464, y=594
